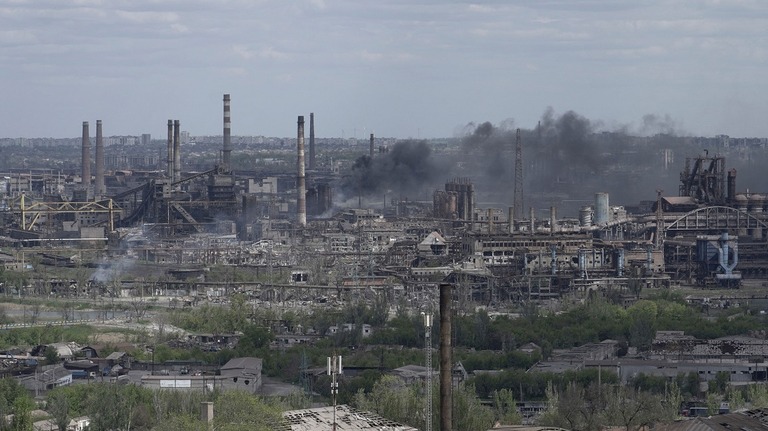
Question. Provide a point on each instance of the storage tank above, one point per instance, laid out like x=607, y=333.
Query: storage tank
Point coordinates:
x=585, y=216
x=601, y=208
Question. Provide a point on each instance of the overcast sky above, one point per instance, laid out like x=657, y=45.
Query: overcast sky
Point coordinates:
x=398, y=68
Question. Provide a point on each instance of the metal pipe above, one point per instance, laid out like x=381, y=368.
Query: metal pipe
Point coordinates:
x=99, y=189
x=446, y=358
x=301, y=200
x=227, y=150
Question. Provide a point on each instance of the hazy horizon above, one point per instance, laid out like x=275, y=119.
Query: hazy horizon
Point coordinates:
x=401, y=69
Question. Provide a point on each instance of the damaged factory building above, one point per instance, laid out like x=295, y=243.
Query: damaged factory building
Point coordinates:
x=329, y=229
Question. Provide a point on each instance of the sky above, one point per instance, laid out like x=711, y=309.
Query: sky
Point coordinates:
x=396, y=68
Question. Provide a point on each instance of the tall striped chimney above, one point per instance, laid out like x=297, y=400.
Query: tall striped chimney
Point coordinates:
x=311, y=141
x=301, y=201
x=170, y=150
x=99, y=187
x=227, y=151
x=176, y=151
x=86, y=158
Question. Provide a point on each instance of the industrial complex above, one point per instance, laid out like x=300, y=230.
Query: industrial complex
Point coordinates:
x=709, y=234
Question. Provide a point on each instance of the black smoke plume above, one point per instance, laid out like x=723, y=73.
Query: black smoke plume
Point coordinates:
x=405, y=169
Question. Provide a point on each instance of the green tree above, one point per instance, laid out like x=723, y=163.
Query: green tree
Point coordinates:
x=393, y=399
x=58, y=407
x=758, y=395
x=22, y=414
x=240, y=411
x=505, y=409
x=632, y=409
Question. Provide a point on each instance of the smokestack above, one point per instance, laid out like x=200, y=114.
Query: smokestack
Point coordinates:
x=518, y=191
x=227, y=152
x=311, y=141
x=553, y=219
x=302, y=198
x=731, y=185
x=511, y=219
x=490, y=221
x=100, y=189
x=170, y=150
x=371, y=145
x=533, y=221
x=176, y=151
x=446, y=358
x=86, y=159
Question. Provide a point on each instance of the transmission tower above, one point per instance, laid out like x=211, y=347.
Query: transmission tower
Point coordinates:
x=518, y=198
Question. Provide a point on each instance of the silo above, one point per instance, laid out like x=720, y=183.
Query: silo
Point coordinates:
x=585, y=216
x=601, y=208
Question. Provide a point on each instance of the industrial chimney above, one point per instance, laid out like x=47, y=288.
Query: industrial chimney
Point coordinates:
x=227, y=152
x=99, y=187
x=301, y=200
x=446, y=357
x=86, y=158
x=311, y=141
x=371, y=146
x=176, y=151
x=170, y=150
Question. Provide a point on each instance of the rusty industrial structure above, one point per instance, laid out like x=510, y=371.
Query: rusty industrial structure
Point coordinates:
x=710, y=235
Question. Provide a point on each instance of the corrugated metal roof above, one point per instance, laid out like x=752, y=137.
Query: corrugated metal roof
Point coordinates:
x=347, y=419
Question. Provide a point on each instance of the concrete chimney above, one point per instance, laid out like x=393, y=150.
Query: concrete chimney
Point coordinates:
x=301, y=200
x=371, y=146
x=311, y=141
x=99, y=187
x=490, y=221
x=86, y=158
x=446, y=358
x=227, y=151
x=170, y=150
x=533, y=221
x=511, y=220
x=176, y=151
x=553, y=219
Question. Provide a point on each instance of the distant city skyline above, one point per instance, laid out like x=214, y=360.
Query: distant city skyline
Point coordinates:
x=397, y=68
